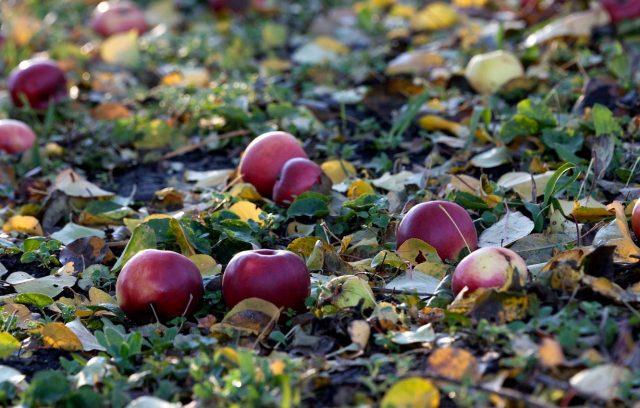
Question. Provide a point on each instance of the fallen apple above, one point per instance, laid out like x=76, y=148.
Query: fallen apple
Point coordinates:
x=621, y=10
x=277, y=276
x=444, y=225
x=488, y=72
x=39, y=81
x=265, y=156
x=234, y=6
x=296, y=177
x=635, y=219
x=15, y=136
x=115, y=17
x=489, y=267
x=159, y=283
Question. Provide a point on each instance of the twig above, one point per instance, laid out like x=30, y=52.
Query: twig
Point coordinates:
x=204, y=142
x=401, y=292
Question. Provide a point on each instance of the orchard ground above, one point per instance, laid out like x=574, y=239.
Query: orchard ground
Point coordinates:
x=517, y=119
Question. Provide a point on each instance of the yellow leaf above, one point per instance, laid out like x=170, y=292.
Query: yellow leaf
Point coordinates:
x=187, y=76
x=469, y=3
x=251, y=315
x=23, y=28
x=97, y=297
x=415, y=249
x=403, y=10
x=133, y=223
x=550, y=353
x=338, y=170
x=206, y=264
x=121, y=49
x=625, y=247
x=433, y=122
x=332, y=44
x=57, y=335
x=454, y=363
x=277, y=367
x=412, y=392
x=247, y=210
x=110, y=111
x=275, y=65
x=414, y=62
x=25, y=224
x=435, y=16
x=245, y=191
x=8, y=344
x=358, y=188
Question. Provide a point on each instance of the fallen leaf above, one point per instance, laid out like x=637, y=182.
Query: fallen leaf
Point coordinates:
x=57, y=335
x=550, y=353
x=512, y=227
x=88, y=340
x=8, y=344
x=121, y=49
x=247, y=210
x=601, y=382
x=423, y=334
x=74, y=185
x=412, y=392
x=25, y=224
x=454, y=363
x=338, y=170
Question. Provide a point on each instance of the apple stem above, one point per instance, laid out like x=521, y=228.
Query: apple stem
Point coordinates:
x=457, y=229
x=153, y=309
x=185, y=310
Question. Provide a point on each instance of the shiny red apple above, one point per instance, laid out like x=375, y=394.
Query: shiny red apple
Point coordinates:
x=444, y=225
x=234, y=6
x=491, y=267
x=621, y=10
x=15, y=136
x=296, y=177
x=277, y=276
x=114, y=17
x=40, y=81
x=265, y=156
x=159, y=283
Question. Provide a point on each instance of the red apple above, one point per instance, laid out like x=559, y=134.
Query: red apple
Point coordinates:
x=235, y=6
x=159, y=283
x=40, y=81
x=444, y=225
x=621, y=10
x=114, y=17
x=490, y=267
x=15, y=136
x=279, y=277
x=297, y=176
x=265, y=156
x=635, y=219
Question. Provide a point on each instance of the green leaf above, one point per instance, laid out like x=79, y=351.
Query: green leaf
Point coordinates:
x=604, y=122
x=518, y=126
x=47, y=388
x=309, y=204
x=551, y=188
x=564, y=144
x=538, y=112
x=72, y=231
x=38, y=300
x=8, y=344
x=143, y=237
